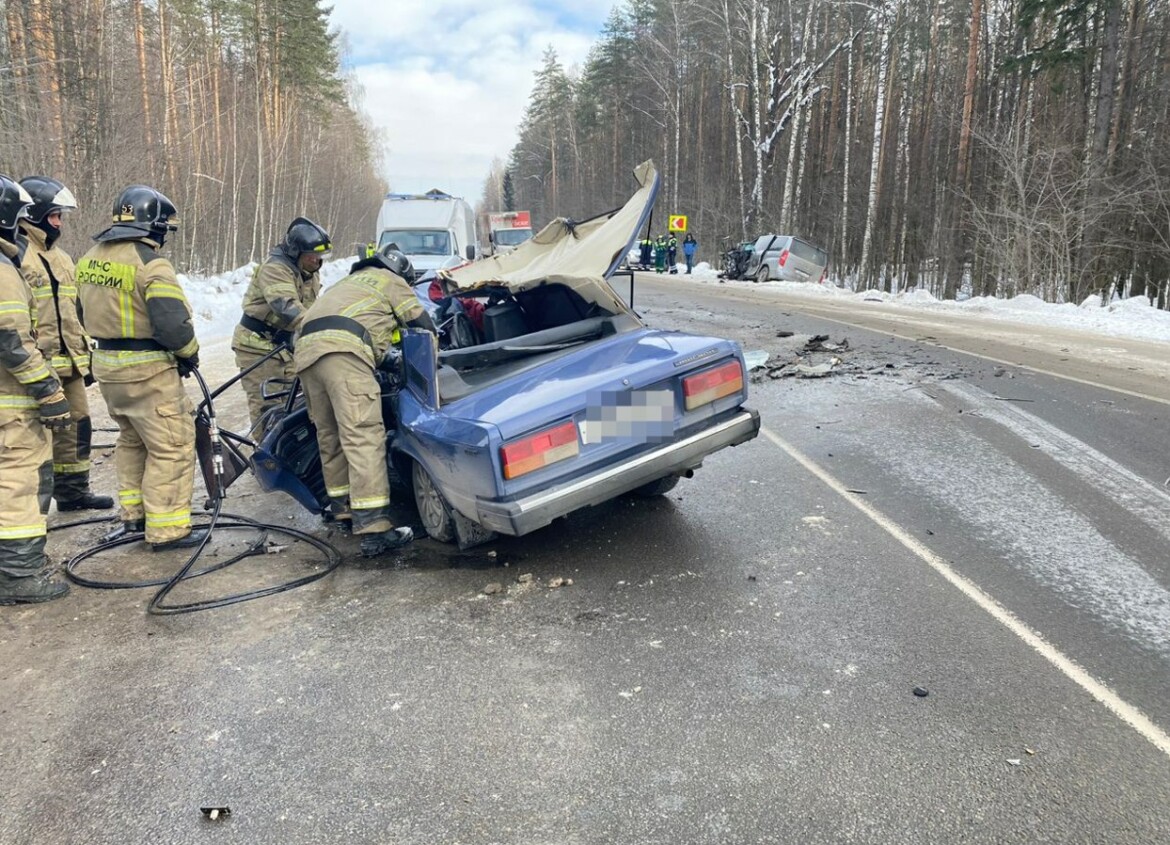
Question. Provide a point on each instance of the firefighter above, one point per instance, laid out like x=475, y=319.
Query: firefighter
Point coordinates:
x=346, y=335
x=281, y=289
x=31, y=400
x=49, y=271
x=133, y=307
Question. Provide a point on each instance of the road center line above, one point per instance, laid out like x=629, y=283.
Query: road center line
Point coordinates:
x=1120, y=708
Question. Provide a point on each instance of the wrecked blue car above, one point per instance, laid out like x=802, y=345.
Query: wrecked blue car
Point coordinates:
x=552, y=396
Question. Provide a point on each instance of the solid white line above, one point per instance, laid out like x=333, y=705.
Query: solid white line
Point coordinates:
x=1123, y=710
x=992, y=358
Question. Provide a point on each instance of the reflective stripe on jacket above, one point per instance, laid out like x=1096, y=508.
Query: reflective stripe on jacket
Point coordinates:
x=380, y=301
x=278, y=296
x=25, y=377
x=60, y=337
x=128, y=291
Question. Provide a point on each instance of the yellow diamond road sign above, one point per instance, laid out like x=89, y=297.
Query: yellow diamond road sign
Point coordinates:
x=678, y=223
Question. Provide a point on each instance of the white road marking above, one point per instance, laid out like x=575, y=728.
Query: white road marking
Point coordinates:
x=992, y=358
x=1120, y=708
x=1146, y=500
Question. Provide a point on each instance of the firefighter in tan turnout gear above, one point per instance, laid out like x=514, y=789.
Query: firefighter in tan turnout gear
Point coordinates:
x=48, y=269
x=284, y=286
x=344, y=338
x=133, y=307
x=31, y=399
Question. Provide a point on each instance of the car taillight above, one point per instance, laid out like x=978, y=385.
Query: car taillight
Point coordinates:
x=783, y=257
x=539, y=450
x=704, y=388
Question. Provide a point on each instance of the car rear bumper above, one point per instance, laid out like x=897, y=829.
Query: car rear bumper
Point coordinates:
x=521, y=516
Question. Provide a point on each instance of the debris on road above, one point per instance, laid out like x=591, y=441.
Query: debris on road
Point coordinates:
x=493, y=588
x=921, y=692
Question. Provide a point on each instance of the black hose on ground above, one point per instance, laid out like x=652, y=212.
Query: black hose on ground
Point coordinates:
x=256, y=547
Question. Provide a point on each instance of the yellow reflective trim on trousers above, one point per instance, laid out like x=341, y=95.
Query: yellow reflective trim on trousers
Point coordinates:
x=70, y=469
x=11, y=307
x=168, y=520
x=17, y=400
x=372, y=502
x=130, y=497
x=120, y=358
x=67, y=290
x=336, y=492
x=23, y=532
x=61, y=362
x=44, y=292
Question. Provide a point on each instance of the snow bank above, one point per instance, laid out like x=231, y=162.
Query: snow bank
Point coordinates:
x=217, y=299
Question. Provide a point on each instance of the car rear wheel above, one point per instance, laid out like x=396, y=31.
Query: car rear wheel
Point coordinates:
x=434, y=513
x=657, y=488
x=762, y=274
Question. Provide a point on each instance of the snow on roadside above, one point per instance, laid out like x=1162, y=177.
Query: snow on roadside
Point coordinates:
x=216, y=299
x=1132, y=318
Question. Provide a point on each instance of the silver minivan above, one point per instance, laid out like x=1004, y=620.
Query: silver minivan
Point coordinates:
x=786, y=258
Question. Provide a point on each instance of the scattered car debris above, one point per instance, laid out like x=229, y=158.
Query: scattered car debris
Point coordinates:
x=1014, y=762
x=921, y=692
x=755, y=359
x=819, y=343
x=784, y=333
x=215, y=813
x=524, y=579
x=818, y=371
x=493, y=588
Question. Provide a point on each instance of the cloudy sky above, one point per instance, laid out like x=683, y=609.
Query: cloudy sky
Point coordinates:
x=447, y=81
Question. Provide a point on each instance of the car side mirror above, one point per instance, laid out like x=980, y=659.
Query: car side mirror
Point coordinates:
x=470, y=253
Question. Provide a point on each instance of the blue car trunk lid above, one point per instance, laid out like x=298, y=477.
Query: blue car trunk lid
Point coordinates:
x=626, y=371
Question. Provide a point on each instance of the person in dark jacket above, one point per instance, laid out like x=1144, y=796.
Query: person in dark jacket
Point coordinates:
x=690, y=247
x=672, y=253
x=647, y=251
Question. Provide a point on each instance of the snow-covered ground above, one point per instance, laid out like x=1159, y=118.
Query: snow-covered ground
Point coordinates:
x=216, y=302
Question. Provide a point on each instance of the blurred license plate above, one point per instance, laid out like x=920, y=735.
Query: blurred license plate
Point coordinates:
x=644, y=416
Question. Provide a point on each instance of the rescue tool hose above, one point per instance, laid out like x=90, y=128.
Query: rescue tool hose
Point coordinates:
x=256, y=547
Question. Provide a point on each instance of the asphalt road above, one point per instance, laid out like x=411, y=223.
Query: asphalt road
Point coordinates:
x=734, y=662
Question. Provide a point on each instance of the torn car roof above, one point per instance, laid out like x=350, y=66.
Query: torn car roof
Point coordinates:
x=581, y=255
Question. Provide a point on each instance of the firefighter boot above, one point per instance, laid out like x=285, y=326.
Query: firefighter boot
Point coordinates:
x=24, y=578
x=378, y=544
x=188, y=541
x=134, y=526
x=71, y=490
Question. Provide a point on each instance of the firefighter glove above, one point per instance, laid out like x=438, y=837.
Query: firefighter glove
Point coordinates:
x=391, y=361
x=187, y=365
x=55, y=412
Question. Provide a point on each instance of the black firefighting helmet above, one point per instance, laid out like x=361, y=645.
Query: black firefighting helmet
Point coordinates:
x=306, y=236
x=394, y=260
x=142, y=207
x=14, y=204
x=49, y=196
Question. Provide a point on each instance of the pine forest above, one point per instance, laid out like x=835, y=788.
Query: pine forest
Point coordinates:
x=235, y=109
x=992, y=147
